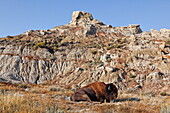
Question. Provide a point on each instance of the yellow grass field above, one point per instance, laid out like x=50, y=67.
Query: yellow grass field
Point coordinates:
x=53, y=99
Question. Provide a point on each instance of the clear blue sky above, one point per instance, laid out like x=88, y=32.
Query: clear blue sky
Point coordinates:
x=18, y=16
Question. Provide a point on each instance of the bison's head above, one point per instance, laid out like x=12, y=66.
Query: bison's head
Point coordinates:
x=111, y=92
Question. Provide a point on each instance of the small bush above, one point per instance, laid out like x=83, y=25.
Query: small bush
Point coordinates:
x=132, y=76
x=163, y=94
x=40, y=44
x=64, y=44
x=35, y=91
x=94, y=45
x=44, y=84
x=149, y=41
x=115, y=45
x=55, y=48
x=109, y=47
x=2, y=91
x=108, y=60
x=9, y=36
x=94, y=52
x=53, y=89
x=22, y=86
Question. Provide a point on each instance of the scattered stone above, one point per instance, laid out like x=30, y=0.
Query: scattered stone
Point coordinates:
x=27, y=89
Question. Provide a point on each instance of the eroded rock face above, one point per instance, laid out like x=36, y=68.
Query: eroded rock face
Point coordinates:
x=162, y=33
x=132, y=29
x=85, y=51
x=80, y=16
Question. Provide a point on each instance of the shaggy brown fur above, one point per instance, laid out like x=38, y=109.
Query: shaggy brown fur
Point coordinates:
x=97, y=91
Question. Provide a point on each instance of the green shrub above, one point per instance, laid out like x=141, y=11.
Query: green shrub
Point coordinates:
x=108, y=60
x=94, y=51
x=163, y=94
x=23, y=86
x=64, y=44
x=132, y=76
x=9, y=36
x=44, y=84
x=55, y=48
x=40, y=44
x=149, y=41
x=94, y=45
x=53, y=89
x=115, y=45
x=109, y=47
x=35, y=91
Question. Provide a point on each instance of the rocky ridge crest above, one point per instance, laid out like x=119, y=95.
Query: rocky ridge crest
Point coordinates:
x=86, y=50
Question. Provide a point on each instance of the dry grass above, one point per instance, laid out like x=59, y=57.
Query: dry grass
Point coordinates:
x=18, y=104
x=37, y=99
x=41, y=99
x=136, y=103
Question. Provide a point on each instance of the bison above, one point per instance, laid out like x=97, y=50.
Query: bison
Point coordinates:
x=97, y=91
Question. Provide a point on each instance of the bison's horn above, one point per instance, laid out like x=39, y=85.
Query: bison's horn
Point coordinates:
x=109, y=88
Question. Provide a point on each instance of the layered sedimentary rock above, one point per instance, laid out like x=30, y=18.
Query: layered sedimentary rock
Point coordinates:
x=86, y=50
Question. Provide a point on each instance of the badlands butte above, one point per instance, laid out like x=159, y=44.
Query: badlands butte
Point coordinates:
x=86, y=50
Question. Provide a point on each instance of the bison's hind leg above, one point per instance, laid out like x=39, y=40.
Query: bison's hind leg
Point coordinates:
x=86, y=97
x=80, y=96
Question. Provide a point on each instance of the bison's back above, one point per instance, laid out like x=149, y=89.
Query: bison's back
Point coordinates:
x=98, y=88
x=84, y=94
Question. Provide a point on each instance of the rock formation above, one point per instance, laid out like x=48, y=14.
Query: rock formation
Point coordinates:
x=82, y=18
x=86, y=50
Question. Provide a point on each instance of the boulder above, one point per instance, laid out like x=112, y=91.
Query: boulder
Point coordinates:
x=165, y=33
x=165, y=30
x=155, y=33
x=135, y=29
x=154, y=76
